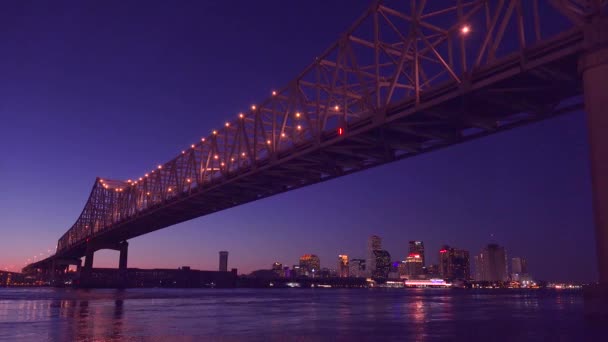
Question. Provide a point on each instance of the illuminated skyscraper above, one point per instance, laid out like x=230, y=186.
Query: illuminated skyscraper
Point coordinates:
x=374, y=243
x=310, y=264
x=417, y=247
x=342, y=268
x=413, y=265
x=454, y=263
x=491, y=264
x=223, y=261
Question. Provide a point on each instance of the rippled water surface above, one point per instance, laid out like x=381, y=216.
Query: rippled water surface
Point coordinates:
x=293, y=314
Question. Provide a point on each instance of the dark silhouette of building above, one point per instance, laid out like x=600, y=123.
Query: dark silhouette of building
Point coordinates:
x=491, y=264
x=223, y=261
x=519, y=268
x=454, y=263
x=374, y=243
x=277, y=268
x=356, y=268
x=382, y=261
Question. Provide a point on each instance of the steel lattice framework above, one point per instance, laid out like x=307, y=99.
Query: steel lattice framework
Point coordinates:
x=408, y=77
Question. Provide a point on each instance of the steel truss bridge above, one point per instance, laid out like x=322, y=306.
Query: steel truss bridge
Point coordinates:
x=408, y=77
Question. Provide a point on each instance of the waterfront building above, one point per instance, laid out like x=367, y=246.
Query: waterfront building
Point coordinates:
x=413, y=265
x=454, y=263
x=342, y=270
x=491, y=264
x=431, y=271
x=310, y=264
x=401, y=269
x=297, y=271
x=223, y=261
x=277, y=268
x=356, y=268
x=382, y=262
x=417, y=247
x=519, y=268
x=374, y=243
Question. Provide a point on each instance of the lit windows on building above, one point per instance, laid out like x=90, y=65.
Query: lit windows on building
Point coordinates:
x=310, y=264
x=342, y=269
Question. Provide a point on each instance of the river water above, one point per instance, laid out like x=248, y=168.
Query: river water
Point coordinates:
x=47, y=314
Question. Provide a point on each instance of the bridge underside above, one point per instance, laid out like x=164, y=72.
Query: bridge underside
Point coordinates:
x=518, y=90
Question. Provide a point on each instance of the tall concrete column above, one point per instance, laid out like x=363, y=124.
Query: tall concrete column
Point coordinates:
x=594, y=68
x=124, y=249
x=88, y=259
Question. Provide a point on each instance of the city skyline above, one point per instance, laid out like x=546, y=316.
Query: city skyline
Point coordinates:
x=499, y=185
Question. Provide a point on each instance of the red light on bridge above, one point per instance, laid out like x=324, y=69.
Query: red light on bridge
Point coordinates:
x=340, y=131
x=443, y=251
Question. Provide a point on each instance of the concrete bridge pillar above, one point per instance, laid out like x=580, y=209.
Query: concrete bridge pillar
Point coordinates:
x=594, y=68
x=88, y=259
x=124, y=249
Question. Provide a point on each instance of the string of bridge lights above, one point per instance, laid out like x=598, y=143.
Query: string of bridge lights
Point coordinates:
x=298, y=127
x=37, y=257
x=464, y=30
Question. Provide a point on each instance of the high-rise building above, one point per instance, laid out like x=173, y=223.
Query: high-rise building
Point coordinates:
x=223, y=261
x=356, y=268
x=402, y=270
x=491, y=264
x=342, y=270
x=277, y=268
x=413, y=265
x=431, y=271
x=382, y=262
x=417, y=247
x=454, y=263
x=374, y=243
x=519, y=268
x=296, y=271
x=310, y=264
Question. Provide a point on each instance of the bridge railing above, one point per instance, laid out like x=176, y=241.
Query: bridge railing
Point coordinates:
x=395, y=53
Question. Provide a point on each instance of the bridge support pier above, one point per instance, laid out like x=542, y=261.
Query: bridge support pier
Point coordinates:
x=88, y=259
x=85, y=272
x=122, y=264
x=124, y=249
x=594, y=68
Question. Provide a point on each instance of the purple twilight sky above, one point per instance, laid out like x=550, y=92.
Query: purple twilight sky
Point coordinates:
x=113, y=88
